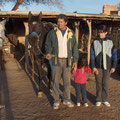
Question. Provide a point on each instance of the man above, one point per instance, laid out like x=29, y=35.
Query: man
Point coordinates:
x=61, y=47
x=103, y=55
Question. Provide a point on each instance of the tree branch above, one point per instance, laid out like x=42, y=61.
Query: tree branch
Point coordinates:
x=18, y=3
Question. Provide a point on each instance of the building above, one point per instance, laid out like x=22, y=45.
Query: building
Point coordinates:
x=84, y=25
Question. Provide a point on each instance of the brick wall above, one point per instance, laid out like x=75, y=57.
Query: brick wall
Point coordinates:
x=108, y=8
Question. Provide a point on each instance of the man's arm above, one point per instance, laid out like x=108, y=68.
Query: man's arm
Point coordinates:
x=75, y=53
x=48, y=45
x=75, y=50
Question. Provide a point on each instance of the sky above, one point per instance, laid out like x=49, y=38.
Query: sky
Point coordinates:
x=81, y=6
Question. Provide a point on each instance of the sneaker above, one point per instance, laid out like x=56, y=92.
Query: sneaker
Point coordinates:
x=78, y=104
x=56, y=106
x=86, y=105
x=107, y=104
x=98, y=104
x=69, y=104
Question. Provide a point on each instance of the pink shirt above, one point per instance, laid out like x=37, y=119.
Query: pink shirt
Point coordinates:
x=80, y=74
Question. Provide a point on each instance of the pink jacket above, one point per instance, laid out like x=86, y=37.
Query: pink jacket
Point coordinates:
x=80, y=75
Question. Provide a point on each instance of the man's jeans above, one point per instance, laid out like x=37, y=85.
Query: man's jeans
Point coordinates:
x=102, y=85
x=81, y=89
x=64, y=72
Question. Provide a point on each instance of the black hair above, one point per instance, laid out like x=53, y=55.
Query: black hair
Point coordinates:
x=82, y=62
x=62, y=16
x=102, y=28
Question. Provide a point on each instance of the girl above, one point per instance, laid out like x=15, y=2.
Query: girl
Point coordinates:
x=80, y=80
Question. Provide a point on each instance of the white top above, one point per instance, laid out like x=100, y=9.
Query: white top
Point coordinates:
x=62, y=44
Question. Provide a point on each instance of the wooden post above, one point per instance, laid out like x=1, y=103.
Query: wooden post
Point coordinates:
x=26, y=28
x=26, y=54
x=89, y=22
x=26, y=45
x=77, y=24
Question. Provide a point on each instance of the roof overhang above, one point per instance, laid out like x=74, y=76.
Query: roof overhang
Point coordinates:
x=49, y=14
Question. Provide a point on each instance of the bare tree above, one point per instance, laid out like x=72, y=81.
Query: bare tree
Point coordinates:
x=57, y=3
x=18, y=3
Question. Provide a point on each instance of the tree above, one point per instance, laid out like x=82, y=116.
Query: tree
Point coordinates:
x=57, y=3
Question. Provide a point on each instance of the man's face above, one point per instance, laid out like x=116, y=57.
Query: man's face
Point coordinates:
x=61, y=24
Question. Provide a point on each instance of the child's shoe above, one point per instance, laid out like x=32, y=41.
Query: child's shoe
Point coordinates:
x=78, y=104
x=86, y=105
x=98, y=104
x=107, y=104
x=69, y=104
x=56, y=105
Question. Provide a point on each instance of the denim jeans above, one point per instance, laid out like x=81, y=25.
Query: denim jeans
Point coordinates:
x=81, y=89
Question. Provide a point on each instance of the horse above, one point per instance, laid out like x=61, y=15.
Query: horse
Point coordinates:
x=2, y=37
x=36, y=38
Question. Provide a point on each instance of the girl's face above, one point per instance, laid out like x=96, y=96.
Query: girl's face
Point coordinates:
x=102, y=34
x=61, y=24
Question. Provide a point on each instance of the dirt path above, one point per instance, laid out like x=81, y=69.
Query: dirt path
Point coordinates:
x=18, y=99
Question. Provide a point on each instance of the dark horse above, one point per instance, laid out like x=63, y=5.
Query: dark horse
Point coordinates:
x=36, y=38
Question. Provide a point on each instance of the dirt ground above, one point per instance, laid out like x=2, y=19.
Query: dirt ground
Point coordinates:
x=19, y=101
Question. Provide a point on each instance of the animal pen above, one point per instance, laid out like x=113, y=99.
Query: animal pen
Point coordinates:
x=84, y=26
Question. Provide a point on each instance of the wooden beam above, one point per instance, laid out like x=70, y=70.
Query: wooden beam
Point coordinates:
x=50, y=14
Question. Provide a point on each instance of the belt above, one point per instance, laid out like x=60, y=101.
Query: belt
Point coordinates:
x=63, y=58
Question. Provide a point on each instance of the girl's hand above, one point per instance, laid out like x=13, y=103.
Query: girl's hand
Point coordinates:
x=112, y=70
x=95, y=70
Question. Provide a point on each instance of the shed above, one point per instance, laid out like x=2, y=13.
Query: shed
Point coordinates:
x=84, y=25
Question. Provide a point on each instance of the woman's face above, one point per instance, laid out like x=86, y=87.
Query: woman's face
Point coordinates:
x=61, y=24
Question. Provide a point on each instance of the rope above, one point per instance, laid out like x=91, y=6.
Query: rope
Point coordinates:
x=38, y=36
x=49, y=60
